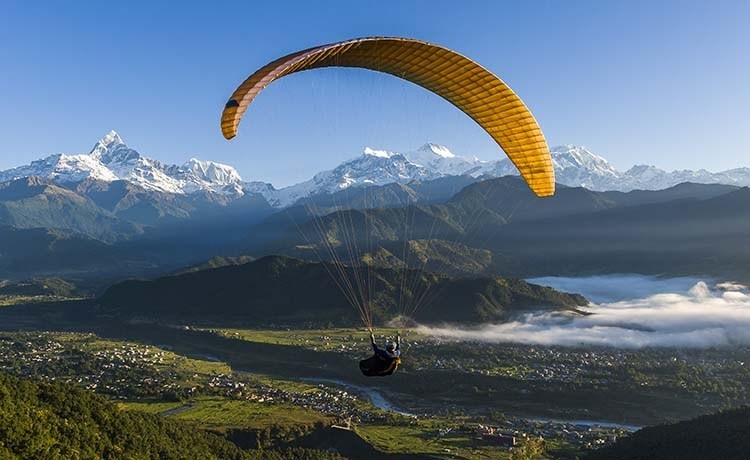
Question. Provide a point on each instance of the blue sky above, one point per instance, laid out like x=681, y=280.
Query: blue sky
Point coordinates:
x=663, y=83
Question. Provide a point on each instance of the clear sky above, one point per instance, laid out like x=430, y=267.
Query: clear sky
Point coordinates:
x=663, y=83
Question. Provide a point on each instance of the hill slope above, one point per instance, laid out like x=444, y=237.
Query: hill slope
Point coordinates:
x=720, y=436
x=38, y=251
x=280, y=290
x=487, y=206
x=56, y=421
x=689, y=236
x=688, y=229
x=36, y=203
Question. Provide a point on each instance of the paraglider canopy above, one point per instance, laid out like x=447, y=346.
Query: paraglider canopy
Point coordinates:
x=476, y=91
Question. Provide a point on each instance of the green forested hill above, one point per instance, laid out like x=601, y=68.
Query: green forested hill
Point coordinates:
x=216, y=262
x=33, y=202
x=724, y=436
x=281, y=290
x=687, y=229
x=39, y=250
x=56, y=421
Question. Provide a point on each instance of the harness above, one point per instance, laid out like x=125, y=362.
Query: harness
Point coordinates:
x=375, y=366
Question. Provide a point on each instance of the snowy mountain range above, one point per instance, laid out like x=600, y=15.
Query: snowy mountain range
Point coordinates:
x=111, y=159
x=376, y=167
x=574, y=166
x=578, y=167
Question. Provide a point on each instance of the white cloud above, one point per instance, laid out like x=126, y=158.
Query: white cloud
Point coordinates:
x=611, y=288
x=731, y=286
x=695, y=317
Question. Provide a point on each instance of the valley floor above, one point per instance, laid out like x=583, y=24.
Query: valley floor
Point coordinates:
x=285, y=387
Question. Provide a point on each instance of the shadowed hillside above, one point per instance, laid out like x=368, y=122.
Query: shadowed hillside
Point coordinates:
x=720, y=436
x=686, y=229
x=280, y=290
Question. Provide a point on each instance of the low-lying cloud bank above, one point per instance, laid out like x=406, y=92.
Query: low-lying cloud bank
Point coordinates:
x=613, y=288
x=699, y=317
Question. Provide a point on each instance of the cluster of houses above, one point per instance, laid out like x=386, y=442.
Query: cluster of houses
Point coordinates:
x=339, y=403
x=511, y=431
x=120, y=371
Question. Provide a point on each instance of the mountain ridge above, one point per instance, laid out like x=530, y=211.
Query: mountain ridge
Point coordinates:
x=111, y=160
x=279, y=289
x=681, y=230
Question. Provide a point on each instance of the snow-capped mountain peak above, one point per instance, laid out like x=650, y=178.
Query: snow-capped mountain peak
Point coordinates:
x=61, y=168
x=212, y=171
x=579, y=167
x=377, y=153
x=574, y=156
x=440, y=159
x=111, y=159
x=196, y=175
x=439, y=150
x=430, y=154
x=375, y=167
x=109, y=141
x=111, y=150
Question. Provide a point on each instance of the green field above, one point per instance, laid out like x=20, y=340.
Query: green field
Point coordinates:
x=424, y=439
x=217, y=412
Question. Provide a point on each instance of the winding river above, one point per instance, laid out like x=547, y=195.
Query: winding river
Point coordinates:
x=375, y=397
x=379, y=401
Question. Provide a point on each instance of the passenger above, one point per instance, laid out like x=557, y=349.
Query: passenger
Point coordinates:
x=384, y=361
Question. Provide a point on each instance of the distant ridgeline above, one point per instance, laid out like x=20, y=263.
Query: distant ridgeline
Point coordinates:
x=282, y=290
x=52, y=420
x=687, y=229
x=455, y=225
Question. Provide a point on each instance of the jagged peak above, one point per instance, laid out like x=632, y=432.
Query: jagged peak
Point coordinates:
x=574, y=155
x=211, y=170
x=377, y=153
x=437, y=149
x=640, y=168
x=208, y=163
x=109, y=140
x=112, y=137
x=569, y=147
x=107, y=144
x=577, y=150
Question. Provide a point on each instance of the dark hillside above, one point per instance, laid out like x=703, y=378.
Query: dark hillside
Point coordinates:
x=718, y=436
x=37, y=252
x=686, y=229
x=280, y=290
x=682, y=191
x=688, y=236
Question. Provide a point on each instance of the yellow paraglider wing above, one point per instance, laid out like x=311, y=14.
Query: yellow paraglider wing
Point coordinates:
x=462, y=82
